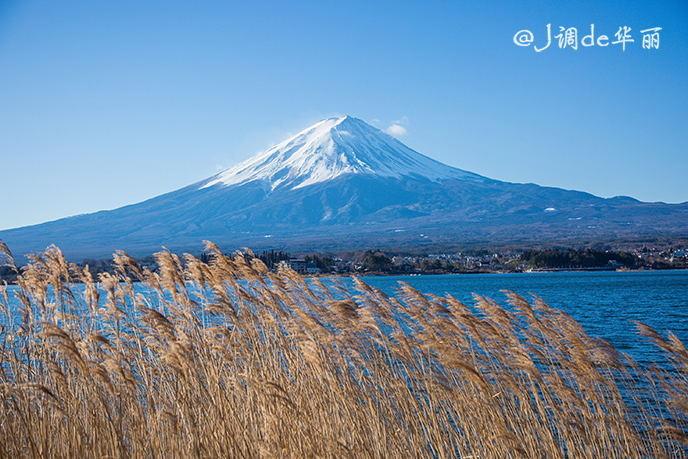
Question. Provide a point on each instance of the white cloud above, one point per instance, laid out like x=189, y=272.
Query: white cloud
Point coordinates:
x=396, y=130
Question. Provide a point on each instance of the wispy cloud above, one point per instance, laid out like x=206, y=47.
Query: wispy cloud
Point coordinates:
x=398, y=128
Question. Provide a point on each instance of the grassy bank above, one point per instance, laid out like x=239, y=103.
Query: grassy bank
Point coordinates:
x=225, y=358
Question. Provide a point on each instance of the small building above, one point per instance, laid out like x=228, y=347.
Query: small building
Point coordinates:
x=302, y=266
x=312, y=268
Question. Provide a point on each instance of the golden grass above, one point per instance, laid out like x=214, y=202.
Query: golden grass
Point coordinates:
x=227, y=359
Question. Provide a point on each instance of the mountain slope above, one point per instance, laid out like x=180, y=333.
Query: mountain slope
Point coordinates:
x=342, y=184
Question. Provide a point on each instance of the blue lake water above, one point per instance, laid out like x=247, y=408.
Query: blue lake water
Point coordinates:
x=605, y=303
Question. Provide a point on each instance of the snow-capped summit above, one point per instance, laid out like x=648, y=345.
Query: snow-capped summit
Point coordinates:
x=329, y=149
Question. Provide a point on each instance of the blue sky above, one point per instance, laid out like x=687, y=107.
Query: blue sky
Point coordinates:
x=108, y=103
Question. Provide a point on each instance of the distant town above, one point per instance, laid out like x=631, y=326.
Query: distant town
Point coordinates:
x=483, y=261
x=383, y=262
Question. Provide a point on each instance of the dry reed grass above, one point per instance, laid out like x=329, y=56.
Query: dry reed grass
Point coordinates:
x=227, y=359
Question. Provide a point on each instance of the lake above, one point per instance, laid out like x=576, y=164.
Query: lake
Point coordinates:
x=605, y=303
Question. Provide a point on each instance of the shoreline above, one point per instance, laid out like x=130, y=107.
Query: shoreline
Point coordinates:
x=534, y=271
x=470, y=273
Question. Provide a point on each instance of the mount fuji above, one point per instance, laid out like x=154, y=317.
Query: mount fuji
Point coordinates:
x=343, y=184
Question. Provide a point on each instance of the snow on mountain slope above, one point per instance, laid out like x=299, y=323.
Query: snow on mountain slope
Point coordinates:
x=329, y=149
